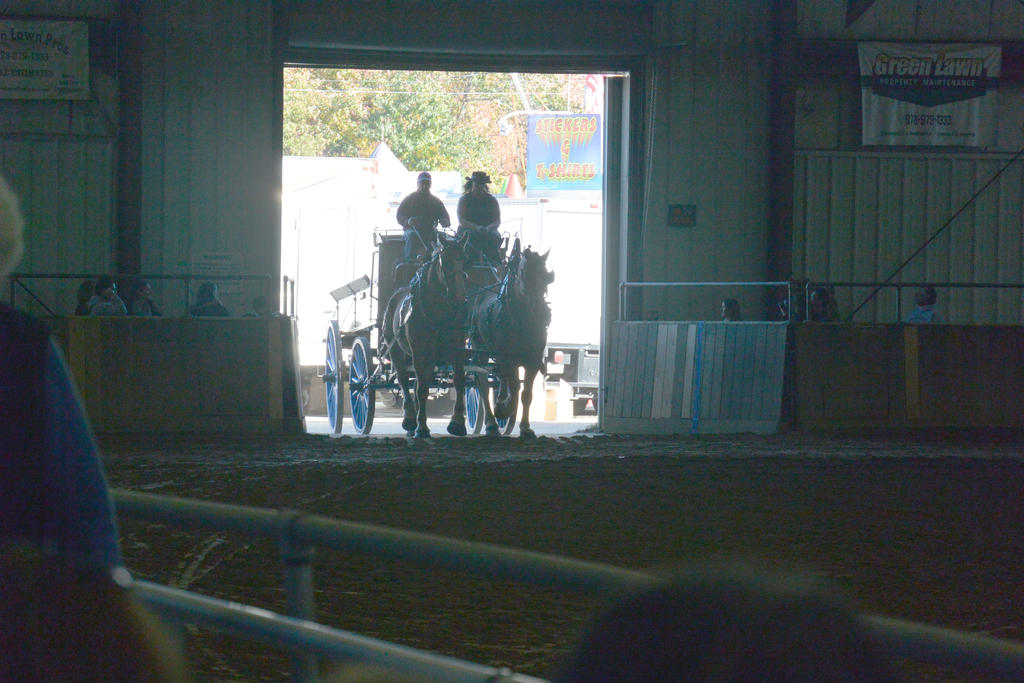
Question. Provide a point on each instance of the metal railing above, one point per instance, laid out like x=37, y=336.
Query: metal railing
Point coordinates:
x=298, y=532
x=19, y=282
x=288, y=296
x=624, y=287
x=313, y=639
x=810, y=286
x=800, y=291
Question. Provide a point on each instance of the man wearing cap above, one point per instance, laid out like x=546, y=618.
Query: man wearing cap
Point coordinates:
x=418, y=214
x=480, y=215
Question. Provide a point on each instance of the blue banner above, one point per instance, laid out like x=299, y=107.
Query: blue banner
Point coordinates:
x=563, y=152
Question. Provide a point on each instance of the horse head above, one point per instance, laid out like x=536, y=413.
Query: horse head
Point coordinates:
x=448, y=266
x=533, y=276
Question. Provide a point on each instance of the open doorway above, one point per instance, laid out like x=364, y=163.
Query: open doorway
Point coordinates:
x=354, y=143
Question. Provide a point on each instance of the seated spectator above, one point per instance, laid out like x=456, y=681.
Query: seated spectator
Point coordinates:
x=59, y=622
x=105, y=300
x=925, y=312
x=723, y=624
x=53, y=491
x=791, y=303
x=823, y=306
x=141, y=301
x=208, y=303
x=85, y=292
x=731, y=310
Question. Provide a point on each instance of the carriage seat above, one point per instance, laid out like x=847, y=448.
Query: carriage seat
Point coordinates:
x=403, y=271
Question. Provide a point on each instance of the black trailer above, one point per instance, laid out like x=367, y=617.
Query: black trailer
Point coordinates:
x=579, y=366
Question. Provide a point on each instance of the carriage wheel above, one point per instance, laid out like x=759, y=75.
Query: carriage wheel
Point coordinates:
x=332, y=381
x=362, y=396
x=474, y=410
x=506, y=424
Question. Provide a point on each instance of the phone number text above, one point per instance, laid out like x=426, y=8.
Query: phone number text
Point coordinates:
x=928, y=119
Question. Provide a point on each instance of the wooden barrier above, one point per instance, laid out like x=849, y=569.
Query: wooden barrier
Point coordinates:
x=184, y=375
x=694, y=377
x=239, y=375
x=900, y=376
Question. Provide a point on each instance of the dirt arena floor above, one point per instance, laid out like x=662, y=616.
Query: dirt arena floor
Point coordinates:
x=922, y=527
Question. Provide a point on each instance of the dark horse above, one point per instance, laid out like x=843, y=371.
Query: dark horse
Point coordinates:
x=511, y=326
x=424, y=325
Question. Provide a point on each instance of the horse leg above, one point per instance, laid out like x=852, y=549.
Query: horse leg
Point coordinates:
x=529, y=374
x=422, y=371
x=484, y=387
x=507, y=391
x=399, y=362
x=408, y=403
x=505, y=397
x=457, y=425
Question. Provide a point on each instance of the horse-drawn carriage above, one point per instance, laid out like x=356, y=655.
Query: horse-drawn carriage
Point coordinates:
x=474, y=329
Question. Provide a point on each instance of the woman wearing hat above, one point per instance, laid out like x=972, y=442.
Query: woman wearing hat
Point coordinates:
x=480, y=215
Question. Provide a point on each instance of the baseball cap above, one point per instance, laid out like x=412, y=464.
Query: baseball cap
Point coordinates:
x=423, y=176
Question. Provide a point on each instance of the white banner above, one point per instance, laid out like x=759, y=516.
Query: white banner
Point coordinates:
x=44, y=60
x=919, y=94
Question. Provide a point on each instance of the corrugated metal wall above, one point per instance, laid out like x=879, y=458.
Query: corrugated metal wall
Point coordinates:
x=709, y=148
x=210, y=154
x=210, y=161
x=858, y=216
x=940, y=20
x=64, y=185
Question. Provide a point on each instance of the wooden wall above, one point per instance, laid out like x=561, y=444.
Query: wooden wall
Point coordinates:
x=682, y=378
x=908, y=376
x=712, y=377
x=184, y=376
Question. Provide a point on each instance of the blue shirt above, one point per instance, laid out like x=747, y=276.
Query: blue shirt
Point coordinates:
x=80, y=519
x=924, y=314
x=55, y=488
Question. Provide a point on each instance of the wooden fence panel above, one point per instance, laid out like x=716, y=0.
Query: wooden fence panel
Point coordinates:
x=694, y=377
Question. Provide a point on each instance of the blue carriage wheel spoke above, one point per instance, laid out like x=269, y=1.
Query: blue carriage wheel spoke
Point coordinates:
x=472, y=407
x=332, y=381
x=361, y=395
x=358, y=367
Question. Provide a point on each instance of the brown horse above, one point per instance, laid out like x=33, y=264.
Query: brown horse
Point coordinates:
x=424, y=326
x=512, y=327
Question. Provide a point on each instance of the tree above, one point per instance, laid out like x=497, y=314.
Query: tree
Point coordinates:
x=431, y=120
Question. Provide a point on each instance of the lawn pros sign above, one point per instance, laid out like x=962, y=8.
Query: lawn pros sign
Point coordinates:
x=563, y=152
x=929, y=94
x=44, y=60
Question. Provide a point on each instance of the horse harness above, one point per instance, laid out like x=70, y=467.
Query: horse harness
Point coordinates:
x=440, y=314
x=507, y=321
